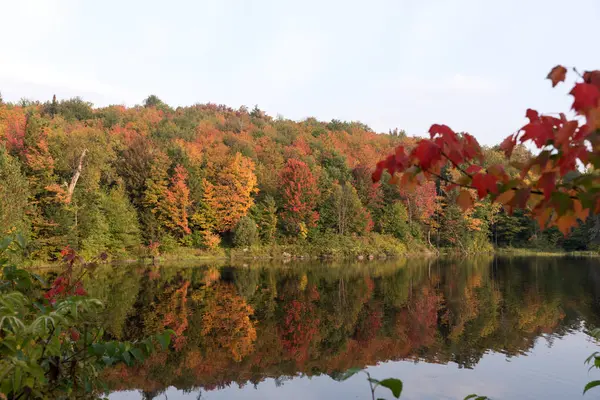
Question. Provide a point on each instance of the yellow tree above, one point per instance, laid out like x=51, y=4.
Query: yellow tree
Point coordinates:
x=227, y=322
x=228, y=190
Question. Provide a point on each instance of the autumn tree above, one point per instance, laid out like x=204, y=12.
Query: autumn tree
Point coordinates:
x=420, y=201
x=155, y=198
x=299, y=192
x=177, y=202
x=369, y=192
x=229, y=189
x=227, y=323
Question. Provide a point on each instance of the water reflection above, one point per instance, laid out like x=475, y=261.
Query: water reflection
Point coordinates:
x=258, y=326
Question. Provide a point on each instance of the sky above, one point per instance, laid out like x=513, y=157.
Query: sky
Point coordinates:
x=473, y=65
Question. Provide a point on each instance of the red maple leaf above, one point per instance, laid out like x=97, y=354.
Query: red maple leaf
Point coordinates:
x=558, y=74
x=585, y=95
x=508, y=145
x=540, y=129
x=592, y=77
x=547, y=183
x=532, y=115
x=442, y=130
x=485, y=183
x=472, y=169
x=376, y=176
x=428, y=153
x=401, y=158
x=471, y=148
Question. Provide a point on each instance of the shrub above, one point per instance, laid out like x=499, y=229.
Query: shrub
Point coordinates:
x=245, y=233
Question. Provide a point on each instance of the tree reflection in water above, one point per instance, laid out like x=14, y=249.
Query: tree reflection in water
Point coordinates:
x=243, y=325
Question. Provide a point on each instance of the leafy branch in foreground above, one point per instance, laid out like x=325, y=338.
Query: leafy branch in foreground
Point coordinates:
x=594, y=360
x=51, y=342
x=560, y=185
x=394, y=385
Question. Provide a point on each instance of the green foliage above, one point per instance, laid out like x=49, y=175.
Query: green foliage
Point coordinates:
x=75, y=109
x=594, y=361
x=265, y=215
x=394, y=221
x=52, y=345
x=13, y=194
x=123, y=227
x=393, y=384
x=343, y=211
x=511, y=229
x=245, y=233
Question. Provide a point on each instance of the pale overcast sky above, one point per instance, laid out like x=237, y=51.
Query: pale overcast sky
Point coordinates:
x=475, y=65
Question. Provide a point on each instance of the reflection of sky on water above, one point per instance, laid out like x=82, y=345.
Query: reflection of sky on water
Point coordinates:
x=555, y=372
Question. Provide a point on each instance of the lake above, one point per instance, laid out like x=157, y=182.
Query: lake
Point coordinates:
x=509, y=328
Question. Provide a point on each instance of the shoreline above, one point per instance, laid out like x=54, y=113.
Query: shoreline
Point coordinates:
x=295, y=253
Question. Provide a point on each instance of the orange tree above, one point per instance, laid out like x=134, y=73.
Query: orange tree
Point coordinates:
x=560, y=185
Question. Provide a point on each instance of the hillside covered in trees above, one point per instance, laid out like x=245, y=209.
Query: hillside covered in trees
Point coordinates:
x=150, y=178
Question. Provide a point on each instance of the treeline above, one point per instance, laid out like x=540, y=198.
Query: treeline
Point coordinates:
x=152, y=178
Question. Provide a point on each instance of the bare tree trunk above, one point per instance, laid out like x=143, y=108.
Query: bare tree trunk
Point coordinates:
x=75, y=177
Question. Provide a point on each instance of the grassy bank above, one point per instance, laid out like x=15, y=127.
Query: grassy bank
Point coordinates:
x=528, y=252
x=327, y=247
x=337, y=247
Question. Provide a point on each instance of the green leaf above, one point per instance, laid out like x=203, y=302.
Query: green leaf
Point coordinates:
x=164, y=339
x=111, y=348
x=97, y=349
x=6, y=386
x=395, y=385
x=137, y=354
x=74, y=310
x=591, y=385
x=40, y=307
x=471, y=396
x=20, y=240
x=4, y=243
x=347, y=374
x=36, y=371
x=593, y=355
x=127, y=358
x=17, y=379
x=10, y=343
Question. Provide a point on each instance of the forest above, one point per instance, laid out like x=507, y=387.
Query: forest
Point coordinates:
x=210, y=179
x=82, y=183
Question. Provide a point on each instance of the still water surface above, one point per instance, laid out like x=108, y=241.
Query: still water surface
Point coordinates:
x=509, y=328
